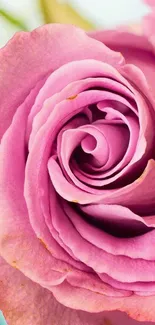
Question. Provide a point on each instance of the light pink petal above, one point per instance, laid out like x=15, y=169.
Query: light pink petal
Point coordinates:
x=82, y=70
x=150, y=2
x=149, y=29
x=126, y=195
x=143, y=146
x=106, y=137
x=136, y=49
x=41, y=149
x=136, y=247
x=139, y=308
x=18, y=243
x=39, y=53
x=148, y=288
x=131, y=195
x=73, y=84
x=25, y=302
x=65, y=189
x=115, y=266
x=130, y=147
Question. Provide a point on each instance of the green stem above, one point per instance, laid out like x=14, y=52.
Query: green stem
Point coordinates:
x=13, y=20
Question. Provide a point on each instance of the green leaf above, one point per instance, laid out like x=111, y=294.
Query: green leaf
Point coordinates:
x=13, y=20
x=55, y=12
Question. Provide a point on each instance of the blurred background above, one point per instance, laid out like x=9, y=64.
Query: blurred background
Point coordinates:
x=26, y=15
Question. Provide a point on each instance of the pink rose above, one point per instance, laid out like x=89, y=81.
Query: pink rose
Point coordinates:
x=150, y=2
x=77, y=177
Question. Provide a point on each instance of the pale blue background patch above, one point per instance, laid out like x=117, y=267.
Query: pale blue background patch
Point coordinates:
x=2, y=319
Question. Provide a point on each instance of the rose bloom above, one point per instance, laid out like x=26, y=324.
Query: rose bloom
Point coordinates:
x=77, y=177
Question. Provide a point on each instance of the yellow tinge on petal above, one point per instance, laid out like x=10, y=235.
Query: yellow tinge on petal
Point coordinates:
x=72, y=97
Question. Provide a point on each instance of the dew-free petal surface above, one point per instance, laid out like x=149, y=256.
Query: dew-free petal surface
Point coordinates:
x=136, y=49
x=25, y=302
x=39, y=53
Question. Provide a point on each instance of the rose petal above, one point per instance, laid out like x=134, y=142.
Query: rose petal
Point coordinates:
x=25, y=302
x=137, y=307
x=134, y=286
x=18, y=243
x=131, y=195
x=74, y=84
x=149, y=29
x=136, y=247
x=150, y=2
x=136, y=49
x=104, y=152
x=116, y=266
x=37, y=54
x=133, y=127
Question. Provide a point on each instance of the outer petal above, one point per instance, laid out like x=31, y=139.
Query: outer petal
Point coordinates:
x=22, y=301
x=149, y=27
x=150, y=2
x=135, y=48
x=139, y=308
x=29, y=57
x=25, y=302
x=18, y=243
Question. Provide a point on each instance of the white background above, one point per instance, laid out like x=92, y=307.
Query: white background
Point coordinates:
x=103, y=13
